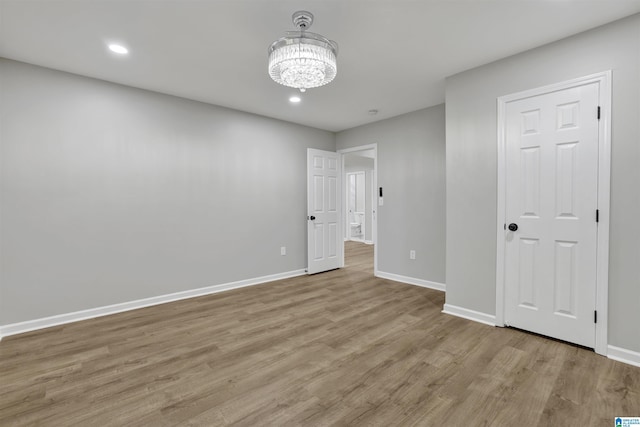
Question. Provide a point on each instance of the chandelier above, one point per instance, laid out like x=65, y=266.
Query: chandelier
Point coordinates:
x=303, y=60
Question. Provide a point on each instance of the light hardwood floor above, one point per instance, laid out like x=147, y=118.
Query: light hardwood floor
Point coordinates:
x=338, y=348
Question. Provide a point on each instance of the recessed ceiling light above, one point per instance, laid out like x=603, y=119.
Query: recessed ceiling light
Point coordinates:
x=118, y=49
x=295, y=99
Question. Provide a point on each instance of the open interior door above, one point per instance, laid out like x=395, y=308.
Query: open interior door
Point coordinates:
x=324, y=239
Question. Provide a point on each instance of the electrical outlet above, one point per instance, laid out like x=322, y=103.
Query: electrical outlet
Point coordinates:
x=283, y=250
x=412, y=254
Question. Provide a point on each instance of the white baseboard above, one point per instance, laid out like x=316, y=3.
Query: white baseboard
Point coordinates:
x=412, y=281
x=615, y=353
x=623, y=355
x=465, y=313
x=60, y=319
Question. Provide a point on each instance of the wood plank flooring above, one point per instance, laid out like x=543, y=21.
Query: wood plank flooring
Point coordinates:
x=338, y=348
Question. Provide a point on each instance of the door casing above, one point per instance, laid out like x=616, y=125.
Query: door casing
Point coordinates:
x=604, y=177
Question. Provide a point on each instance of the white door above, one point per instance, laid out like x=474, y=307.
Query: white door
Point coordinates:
x=323, y=206
x=551, y=188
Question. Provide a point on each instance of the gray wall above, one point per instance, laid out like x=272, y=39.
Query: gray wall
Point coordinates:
x=411, y=170
x=472, y=164
x=111, y=194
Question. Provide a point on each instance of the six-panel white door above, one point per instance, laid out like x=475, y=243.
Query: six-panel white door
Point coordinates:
x=323, y=206
x=551, y=196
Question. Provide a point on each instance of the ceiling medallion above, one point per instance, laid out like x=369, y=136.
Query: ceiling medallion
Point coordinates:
x=303, y=60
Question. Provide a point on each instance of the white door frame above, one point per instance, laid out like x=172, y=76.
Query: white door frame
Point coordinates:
x=604, y=178
x=374, y=201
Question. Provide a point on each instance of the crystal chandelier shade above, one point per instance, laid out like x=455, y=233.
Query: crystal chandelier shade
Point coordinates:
x=303, y=60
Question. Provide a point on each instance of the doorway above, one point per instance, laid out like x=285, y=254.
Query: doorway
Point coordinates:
x=358, y=215
x=553, y=203
x=359, y=166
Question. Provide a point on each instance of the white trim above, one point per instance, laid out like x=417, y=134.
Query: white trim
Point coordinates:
x=465, y=313
x=412, y=281
x=623, y=355
x=374, y=201
x=502, y=207
x=46, y=322
x=604, y=177
x=604, y=190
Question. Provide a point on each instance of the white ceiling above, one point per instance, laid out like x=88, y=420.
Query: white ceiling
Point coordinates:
x=394, y=54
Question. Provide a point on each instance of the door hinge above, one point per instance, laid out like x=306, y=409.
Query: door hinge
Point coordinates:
x=597, y=215
x=595, y=316
x=598, y=112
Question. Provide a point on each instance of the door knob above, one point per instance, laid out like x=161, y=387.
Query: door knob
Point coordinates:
x=312, y=218
x=513, y=226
